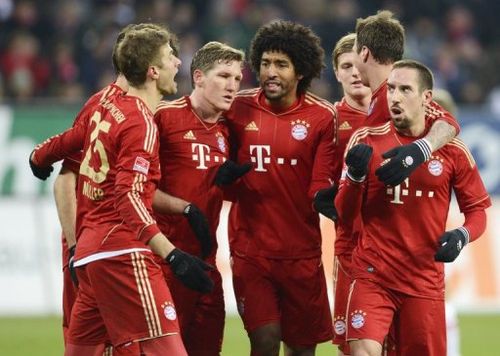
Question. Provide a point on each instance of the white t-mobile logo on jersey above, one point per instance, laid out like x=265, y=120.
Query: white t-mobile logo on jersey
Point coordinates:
x=403, y=190
x=201, y=154
x=259, y=156
x=263, y=156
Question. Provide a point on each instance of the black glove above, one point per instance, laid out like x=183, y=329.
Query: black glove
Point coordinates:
x=40, y=172
x=357, y=160
x=403, y=161
x=323, y=202
x=229, y=171
x=199, y=224
x=450, y=245
x=71, y=267
x=190, y=270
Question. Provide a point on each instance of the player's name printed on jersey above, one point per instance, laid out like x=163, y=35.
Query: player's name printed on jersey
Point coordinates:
x=91, y=192
x=260, y=155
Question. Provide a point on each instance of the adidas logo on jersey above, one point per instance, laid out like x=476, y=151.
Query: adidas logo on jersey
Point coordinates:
x=345, y=126
x=189, y=135
x=251, y=127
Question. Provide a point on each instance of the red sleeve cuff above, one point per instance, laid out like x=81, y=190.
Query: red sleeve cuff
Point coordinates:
x=148, y=232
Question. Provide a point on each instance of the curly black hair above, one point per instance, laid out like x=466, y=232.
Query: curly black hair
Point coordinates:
x=299, y=42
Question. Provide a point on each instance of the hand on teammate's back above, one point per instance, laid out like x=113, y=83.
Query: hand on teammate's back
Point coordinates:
x=403, y=161
x=357, y=160
x=40, y=172
x=199, y=225
x=323, y=202
x=190, y=270
x=230, y=171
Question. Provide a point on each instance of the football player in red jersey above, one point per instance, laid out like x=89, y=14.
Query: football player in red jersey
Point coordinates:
x=397, y=264
x=379, y=43
x=65, y=182
x=123, y=296
x=289, y=135
x=351, y=114
x=194, y=146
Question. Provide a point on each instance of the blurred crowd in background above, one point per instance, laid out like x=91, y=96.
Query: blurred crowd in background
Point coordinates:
x=62, y=48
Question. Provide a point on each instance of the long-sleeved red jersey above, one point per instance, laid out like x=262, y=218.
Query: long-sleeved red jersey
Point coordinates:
x=117, y=177
x=402, y=225
x=191, y=151
x=292, y=156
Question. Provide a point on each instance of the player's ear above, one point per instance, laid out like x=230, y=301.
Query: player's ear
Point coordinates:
x=197, y=77
x=364, y=54
x=427, y=96
x=153, y=72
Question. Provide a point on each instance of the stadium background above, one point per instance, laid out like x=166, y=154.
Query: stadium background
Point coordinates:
x=54, y=54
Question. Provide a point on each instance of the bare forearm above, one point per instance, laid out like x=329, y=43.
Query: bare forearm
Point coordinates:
x=65, y=197
x=167, y=204
x=160, y=245
x=440, y=134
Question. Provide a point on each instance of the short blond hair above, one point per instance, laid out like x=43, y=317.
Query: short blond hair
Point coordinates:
x=344, y=45
x=214, y=52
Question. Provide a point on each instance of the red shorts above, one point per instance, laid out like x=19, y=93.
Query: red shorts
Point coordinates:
x=122, y=299
x=341, y=286
x=201, y=316
x=68, y=299
x=419, y=323
x=289, y=292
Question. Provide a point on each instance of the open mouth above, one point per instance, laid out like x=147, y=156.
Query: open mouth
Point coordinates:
x=272, y=85
x=396, y=110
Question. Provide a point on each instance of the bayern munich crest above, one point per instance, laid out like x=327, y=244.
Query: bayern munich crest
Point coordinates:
x=221, y=142
x=339, y=326
x=169, y=311
x=299, y=129
x=435, y=166
x=358, y=319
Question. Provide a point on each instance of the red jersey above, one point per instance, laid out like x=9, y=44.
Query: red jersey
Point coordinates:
x=378, y=112
x=73, y=162
x=191, y=151
x=403, y=224
x=83, y=118
x=349, y=119
x=292, y=155
x=117, y=177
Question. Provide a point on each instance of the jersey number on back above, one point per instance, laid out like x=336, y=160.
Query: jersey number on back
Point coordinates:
x=96, y=146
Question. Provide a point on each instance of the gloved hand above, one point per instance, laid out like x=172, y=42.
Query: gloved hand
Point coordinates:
x=199, y=224
x=71, y=267
x=404, y=160
x=40, y=172
x=450, y=245
x=229, y=171
x=323, y=202
x=357, y=160
x=190, y=270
